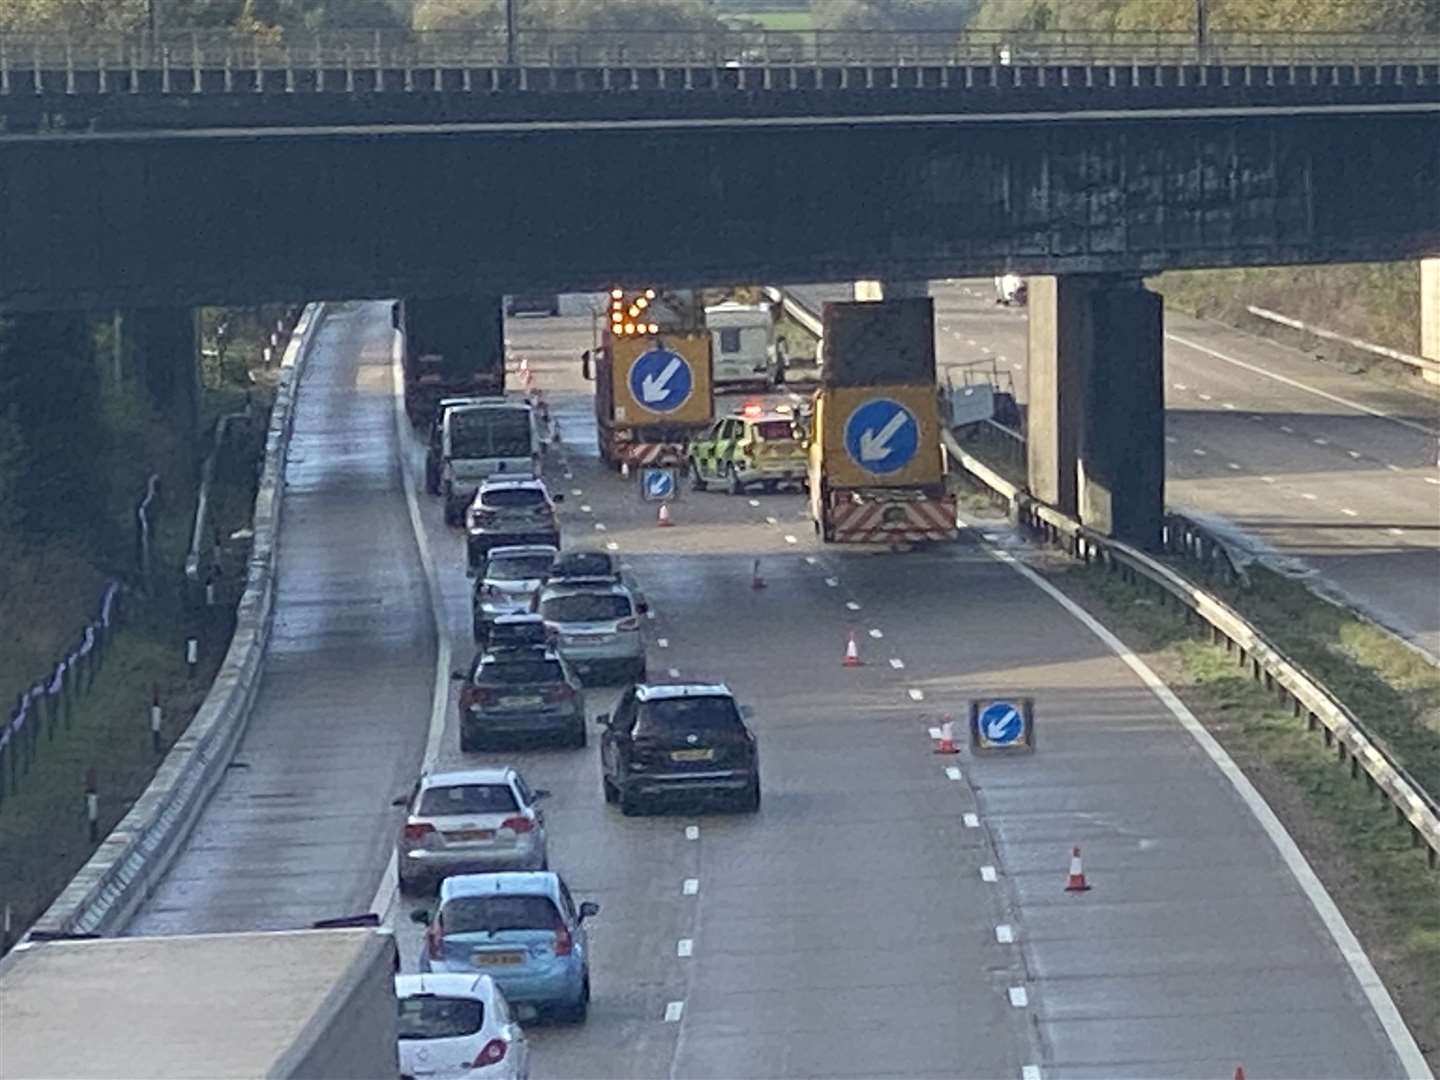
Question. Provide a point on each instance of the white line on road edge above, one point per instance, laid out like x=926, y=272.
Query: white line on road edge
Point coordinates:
x=952, y=772
x=972, y=821
x=388, y=888
x=691, y=886
x=684, y=947
x=692, y=832
x=1301, y=386
x=1019, y=997
x=1005, y=934
x=1403, y=1043
x=987, y=873
x=673, y=1012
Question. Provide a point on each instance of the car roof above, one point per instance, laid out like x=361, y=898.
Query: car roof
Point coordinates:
x=468, y=404
x=457, y=777
x=603, y=586
x=519, y=618
x=521, y=549
x=508, y=883
x=664, y=691
x=447, y=984
x=512, y=483
x=522, y=653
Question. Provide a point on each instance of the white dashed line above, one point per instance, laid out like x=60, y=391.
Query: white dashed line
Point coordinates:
x=985, y=349
x=1228, y=405
x=1029, y=1072
x=1287, y=430
x=1206, y=397
x=897, y=663
x=674, y=1011
x=1309, y=496
x=832, y=582
x=876, y=633
x=1233, y=466
x=811, y=560
x=987, y=873
x=692, y=832
x=577, y=491
x=1254, y=417
x=772, y=520
x=1268, y=479
x=1198, y=452
x=1348, y=512
x=1395, y=532
x=599, y=526
x=1393, y=468
x=586, y=508
x=753, y=502
x=972, y=821
x=1432, y=480
x=952, y=772
x=970, y=341
x=569, y=475
x=684, y=947
x=916, y=694
x=852, y=605
x=1320, y=442
x=790, y=539
x=663, y=642
x=1181, y=386
x=1354, y=454
x=613, y=546
x=1018, y=997
x=674, y=673
x=1171, y=439
x=691, y=886
x=1005, y=934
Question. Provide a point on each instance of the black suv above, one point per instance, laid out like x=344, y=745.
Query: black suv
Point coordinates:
x=684, y=739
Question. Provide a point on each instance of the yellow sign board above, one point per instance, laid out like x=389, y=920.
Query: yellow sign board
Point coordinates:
x=880, y=436
x=662, y=379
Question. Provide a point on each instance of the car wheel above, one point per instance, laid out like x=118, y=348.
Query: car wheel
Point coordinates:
x=608, y=790
x=750, y=797
x=629, y=803
x=732, y=481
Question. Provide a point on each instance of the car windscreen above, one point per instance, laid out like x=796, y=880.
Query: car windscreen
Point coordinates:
x=774, y=429
x=516, y=567
x=586, y=607
x=475, y=914
x=520, y=672
x=484, y=433
x=509, y=498
x=467, y=799
x=697, y=714
x=583, y=564
x=428, y=1017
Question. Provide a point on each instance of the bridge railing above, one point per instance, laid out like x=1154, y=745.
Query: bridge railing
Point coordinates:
x=342, y=49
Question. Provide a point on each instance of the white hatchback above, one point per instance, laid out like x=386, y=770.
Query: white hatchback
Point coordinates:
x=455, y=1025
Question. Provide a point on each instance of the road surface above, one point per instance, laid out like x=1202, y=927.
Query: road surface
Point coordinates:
x=888, y=911
x=1329, y=471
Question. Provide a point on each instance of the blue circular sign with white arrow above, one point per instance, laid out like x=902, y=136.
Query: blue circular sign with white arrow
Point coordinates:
x=661, y=380
x=1001, y=723
x=657, y=484
x=882, y=436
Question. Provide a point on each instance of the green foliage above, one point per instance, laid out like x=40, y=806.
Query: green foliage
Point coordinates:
x=632, y=15
x=892, y=14
x=1223, y=16
x=134, y=15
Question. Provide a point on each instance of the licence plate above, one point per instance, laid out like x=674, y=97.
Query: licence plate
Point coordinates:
x=692, y=755
x=521, y=700
x=471, y=834
x=498, y=957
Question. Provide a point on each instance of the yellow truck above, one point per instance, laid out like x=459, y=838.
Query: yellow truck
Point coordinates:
x=653, y=394
x=876, y=466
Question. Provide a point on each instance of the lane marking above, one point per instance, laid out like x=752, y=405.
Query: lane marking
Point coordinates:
x=875, y=633
x=1268, y=479
x=1171, y=439
x=692, y=832
x=753, y=502
x=674, y=1011
x=852, y=605
x=570, y=476
x=1255, y=417
x=811, y=560
x=1412, y=1062
x=1206, y=397
x=1198, y=452
x=1019, y=997
x=663, y=642
x=674, y=673
x=772, y=521
x=832, y=582
x=790, y=539
x=577, y=491
x=1337, y=399
x=916, y=694
x=684, y=947
x=1005, y=934
x=1392, y=467
x=1029, y=1072
x=1228, y=405
x=897, y=663
x=599, y=526
x=1353, y=453
x=972, y=821
x=1320, y=442
x=1395, y=532
x=1311, y=497
x=1432, y=480
x=691, y=886
x=585, y=508
x=1287, y=430
x=1348, y=512
x=1234, y=466
x=611, y=545
x=1181, y=386
x=987, y=873
x=952, y=772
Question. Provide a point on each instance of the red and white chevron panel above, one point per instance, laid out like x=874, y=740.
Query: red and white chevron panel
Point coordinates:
x=875, y=521
x=653, y=453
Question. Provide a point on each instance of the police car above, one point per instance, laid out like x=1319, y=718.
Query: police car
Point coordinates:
x=756, y=446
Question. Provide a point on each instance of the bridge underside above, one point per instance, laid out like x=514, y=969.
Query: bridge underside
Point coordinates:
x=163, y=220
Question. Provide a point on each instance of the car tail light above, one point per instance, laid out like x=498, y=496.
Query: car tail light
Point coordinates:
x=492, y=1053
x=518, y=824
x=557, y=693
x=417, y=831
x=564, y=943
x=631, y=623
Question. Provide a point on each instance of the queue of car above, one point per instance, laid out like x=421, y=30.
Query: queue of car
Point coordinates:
x=505, y=931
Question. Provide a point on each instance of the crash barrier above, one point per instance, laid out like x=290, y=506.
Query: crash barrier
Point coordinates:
x=1343, y=734
x=50, y=701
x=133, y=858
x=1429, y=368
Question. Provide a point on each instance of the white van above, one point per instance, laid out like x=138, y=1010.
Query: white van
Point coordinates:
x=742, y=346
x=481, y=440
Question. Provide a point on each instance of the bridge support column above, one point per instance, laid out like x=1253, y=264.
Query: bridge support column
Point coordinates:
x=1096, y=425
x=891, y=290
x=1430, y=315
x=168, y=356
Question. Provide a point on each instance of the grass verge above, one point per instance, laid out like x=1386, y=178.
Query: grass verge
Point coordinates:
x=1389, y=896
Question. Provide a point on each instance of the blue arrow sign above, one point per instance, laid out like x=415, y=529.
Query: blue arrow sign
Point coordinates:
x=1002, y=722
x=661, y=380
x=882, y=436
x=658, y=484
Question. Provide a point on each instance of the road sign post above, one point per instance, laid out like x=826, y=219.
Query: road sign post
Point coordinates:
x=1002, y=725
x=659, y=484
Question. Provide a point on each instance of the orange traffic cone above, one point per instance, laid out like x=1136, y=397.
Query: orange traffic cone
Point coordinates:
x=756, y=581
x=1076, y=881
x=663, y=518
x=852, y=652
x=945, y=744
x=1239, y=1072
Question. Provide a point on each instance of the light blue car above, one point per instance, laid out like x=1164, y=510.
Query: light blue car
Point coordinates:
x=521, y=929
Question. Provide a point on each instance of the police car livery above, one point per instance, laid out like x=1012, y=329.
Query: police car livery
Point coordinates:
x=755, y=446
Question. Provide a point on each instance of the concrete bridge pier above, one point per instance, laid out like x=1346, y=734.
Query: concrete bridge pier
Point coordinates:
x=1430, y=314
x=1096, y=425
x=167, y=352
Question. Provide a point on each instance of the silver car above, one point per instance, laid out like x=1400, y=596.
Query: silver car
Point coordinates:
x=471, y=820
x=507, y=583
x=596, y=628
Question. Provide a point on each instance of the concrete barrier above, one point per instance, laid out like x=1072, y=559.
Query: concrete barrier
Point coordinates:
x=132, y=860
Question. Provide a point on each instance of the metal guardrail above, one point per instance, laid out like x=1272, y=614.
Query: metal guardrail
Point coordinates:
x=1430, y=368
x=86, y=62
x=1342, y=732
x=133, y=858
